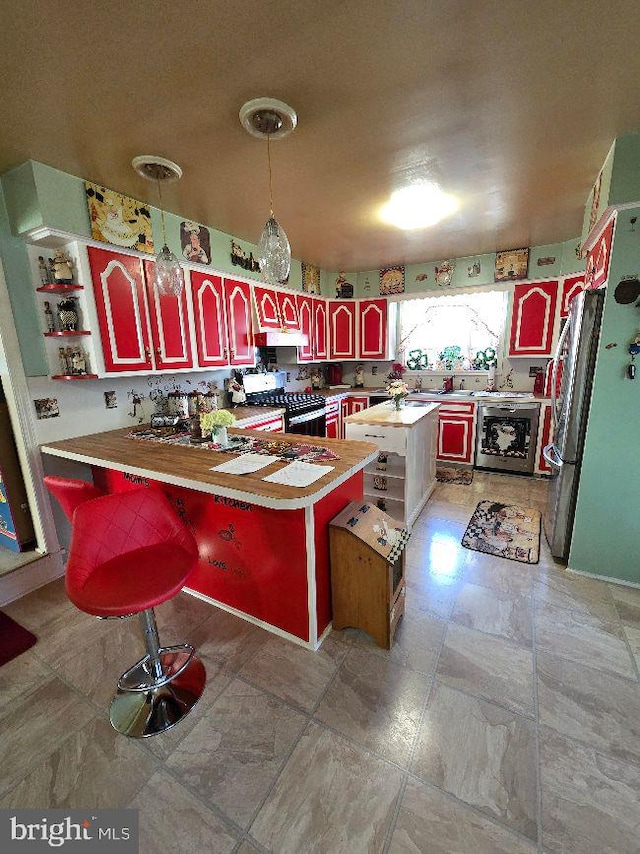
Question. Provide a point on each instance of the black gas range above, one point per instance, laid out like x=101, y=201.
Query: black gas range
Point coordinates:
x=304, y=413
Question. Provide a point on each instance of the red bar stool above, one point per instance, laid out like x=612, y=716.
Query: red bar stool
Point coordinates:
x=130, y=552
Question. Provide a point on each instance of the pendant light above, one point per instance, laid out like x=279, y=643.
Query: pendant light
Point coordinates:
x=169, y=274
x=267, y=117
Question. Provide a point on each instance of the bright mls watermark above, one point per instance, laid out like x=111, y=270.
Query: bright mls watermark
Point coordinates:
x=69, y=830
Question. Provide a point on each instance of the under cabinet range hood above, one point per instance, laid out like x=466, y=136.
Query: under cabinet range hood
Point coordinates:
x=281, y=339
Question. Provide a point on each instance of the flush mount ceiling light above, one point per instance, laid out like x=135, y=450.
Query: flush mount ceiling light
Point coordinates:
x=418, y=205
x=169, y=274
x=267, y=117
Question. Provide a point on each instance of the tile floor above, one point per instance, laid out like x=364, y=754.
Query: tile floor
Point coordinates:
x=506, y=718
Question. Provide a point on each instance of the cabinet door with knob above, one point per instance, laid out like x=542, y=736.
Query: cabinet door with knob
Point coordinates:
x=169, y=325
x=118, y=286
x=210, y=320
x=237, y=297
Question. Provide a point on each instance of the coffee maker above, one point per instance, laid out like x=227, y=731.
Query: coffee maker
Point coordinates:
x=334, y=374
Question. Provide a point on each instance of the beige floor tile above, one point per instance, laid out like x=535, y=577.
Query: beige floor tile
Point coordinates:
x=587, y=704
x=493, y=612
x=627, y=602
x=297, y=675
x=21, y=676
x=247, y=847
x=331, y=796
x=40, y=607
x=375, y=703
x=589, y=800
x=431, y=822
x=441, y=509
x=583, y=638
x=36, y=725
x=416, y=642
x=234, y=753
x=491, y=668
x=226, y=638
x=94, y=768
x=501, y=574
x=71, y=631
x=432, y=594
x=632, y=634
x=564, y=590
x=182, y=614
x=172, y=819
x=482, y=754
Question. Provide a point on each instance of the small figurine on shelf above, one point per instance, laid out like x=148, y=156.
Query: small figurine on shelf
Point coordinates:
x=65, y=368
x=317, y=380
x=48, y=316
x=78, y=361
x=359, y=380
x=43, y=273
x=62, y=269
x=51, y=273
x=68, y=315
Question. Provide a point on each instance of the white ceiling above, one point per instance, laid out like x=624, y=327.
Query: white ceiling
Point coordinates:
x=518, y=102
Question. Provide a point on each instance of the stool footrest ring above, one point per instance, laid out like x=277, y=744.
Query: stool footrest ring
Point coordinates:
x=173, y=659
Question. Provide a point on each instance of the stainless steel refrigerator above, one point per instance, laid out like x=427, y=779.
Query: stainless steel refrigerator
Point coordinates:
x=575, y=357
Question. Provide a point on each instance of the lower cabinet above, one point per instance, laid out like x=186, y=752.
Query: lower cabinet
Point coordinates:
x=456, y=432
x=333, y=419
x=545, y=437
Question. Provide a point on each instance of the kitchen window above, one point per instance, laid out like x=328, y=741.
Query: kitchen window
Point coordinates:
x=445, y=333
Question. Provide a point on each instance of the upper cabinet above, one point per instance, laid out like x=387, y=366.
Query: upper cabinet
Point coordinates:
x=169, y=318
x=118, y=288
x=275, y=310
x=312, y=319
x=342, y=330
x=533, y=319
x=571, y=286
x=373, y=335
x=222, y=319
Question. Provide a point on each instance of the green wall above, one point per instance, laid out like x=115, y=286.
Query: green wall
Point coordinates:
x=606, y=539
x=21, y=289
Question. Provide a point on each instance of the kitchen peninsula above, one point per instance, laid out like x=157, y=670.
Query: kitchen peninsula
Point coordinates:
x=264, y=546
x=403, y=476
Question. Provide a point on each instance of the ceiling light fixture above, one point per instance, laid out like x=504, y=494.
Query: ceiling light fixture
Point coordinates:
x=169, y=274
x=418, y=205
x=267, y=117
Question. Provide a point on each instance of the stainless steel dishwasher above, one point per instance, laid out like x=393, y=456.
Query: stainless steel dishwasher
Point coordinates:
x=506, y=436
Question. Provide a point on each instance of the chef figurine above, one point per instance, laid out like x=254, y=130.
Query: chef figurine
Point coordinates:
x=238, y=394
x=62, y=271
x=42, y=271
x=359, y=380
x=317, y=380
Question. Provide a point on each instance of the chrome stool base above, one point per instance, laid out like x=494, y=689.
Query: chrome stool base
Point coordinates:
x=143, y=712
x=140, y=677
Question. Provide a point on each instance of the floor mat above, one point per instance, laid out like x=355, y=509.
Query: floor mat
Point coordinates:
x=445, y=474
x=14, y=640
x=505, y=530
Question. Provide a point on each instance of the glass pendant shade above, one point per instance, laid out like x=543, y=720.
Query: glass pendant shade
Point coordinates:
x=169, y=274
x=274, y=253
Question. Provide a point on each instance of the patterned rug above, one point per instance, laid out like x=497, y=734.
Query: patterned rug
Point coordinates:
x=14, y=640
x=445, y=474
x=505, y=530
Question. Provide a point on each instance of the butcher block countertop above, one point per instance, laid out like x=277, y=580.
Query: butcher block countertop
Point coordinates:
x=385, y=415
x=189, y=466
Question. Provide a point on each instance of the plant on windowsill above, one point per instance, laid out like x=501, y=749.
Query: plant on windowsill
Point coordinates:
x=215, y=424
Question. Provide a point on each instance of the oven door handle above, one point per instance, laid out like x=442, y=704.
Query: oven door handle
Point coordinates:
x=550, y=454
x=308, y=416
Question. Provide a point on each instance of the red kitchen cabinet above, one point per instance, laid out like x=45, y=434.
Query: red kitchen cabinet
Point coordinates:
x=351, y=405
x=118, y=286
x=288, y=311
x=267, y=314
x=342, y=330
x=169, y=325
x=571, y=286
x=305, y=317
x=456, y=432
x=372, y=329
x=333, y=419
x=544, y=438
x=597, y=264
x=320, y=329
x=222, y=317
x=533, y=319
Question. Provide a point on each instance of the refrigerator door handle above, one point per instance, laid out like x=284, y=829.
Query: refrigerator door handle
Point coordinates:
x=554, y=374
x=550, y=455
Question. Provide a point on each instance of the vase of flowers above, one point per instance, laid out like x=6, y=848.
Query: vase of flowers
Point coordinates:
x=397, y=390
x=215, y=424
